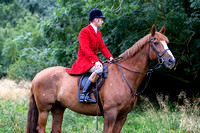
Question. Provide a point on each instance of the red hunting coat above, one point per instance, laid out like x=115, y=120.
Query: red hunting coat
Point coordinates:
x=89, y=43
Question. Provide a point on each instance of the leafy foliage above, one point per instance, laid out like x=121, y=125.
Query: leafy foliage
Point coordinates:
x=9, y=12
x=31, y=43
x=42, y=7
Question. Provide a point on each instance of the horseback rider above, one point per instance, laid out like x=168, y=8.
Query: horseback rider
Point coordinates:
x=90, y=40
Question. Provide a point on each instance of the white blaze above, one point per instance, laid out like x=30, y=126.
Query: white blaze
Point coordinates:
x=166, y=47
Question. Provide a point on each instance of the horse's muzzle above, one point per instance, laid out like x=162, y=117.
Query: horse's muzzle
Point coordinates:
x=169, y=62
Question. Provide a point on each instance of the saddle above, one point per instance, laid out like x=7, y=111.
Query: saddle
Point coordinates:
x=95, y=87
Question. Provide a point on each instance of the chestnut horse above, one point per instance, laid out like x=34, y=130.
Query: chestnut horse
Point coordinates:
x=53, y=89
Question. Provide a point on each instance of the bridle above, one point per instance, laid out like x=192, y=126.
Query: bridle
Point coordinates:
x=148, y=73
x=160, y=59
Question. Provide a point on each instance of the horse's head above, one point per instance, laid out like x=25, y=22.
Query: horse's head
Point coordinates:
x=158, y=49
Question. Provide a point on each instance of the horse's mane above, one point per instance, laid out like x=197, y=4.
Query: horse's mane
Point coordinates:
x=140, y=44
x=136, y=47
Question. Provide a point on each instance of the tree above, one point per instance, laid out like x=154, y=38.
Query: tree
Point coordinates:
x=55, y=40
x=42, y=7
x=10, y=12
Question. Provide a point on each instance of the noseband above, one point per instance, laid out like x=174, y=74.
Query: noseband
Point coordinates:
x=160, y=59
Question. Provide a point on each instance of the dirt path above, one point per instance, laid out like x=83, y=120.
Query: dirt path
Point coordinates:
x=11, y=90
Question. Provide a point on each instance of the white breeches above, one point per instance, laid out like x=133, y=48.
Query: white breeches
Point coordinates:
x=98, y=70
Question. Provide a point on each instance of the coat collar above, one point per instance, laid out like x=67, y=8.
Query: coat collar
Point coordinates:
x=94, y=27
x=92, y=30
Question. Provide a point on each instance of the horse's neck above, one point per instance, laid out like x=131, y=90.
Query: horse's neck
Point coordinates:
x=140, y=63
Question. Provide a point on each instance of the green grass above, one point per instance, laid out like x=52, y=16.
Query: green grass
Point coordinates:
x=13, y=115
x=179, y=117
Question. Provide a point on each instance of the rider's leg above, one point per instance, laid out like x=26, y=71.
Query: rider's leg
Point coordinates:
x=84, y=97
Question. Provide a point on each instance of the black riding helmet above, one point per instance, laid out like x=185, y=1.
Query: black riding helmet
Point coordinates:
x=95, y=13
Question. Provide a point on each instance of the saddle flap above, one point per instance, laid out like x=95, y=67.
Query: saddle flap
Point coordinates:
x=83, y=79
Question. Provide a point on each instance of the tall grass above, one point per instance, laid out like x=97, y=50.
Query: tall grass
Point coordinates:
x=179, y=117
x=160, y=116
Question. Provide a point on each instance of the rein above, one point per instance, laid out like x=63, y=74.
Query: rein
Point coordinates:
x=149, y=72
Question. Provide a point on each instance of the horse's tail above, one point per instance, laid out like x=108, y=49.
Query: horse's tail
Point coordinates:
x=32, y=119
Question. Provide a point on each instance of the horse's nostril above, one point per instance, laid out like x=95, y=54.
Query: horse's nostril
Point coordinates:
x=171, y=62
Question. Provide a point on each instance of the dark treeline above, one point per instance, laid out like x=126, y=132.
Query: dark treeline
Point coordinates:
x=36, y=34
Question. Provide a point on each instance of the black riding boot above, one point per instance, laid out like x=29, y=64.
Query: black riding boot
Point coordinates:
x=84, y=96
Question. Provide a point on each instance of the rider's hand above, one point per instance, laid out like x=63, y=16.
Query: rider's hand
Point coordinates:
x=111, y=58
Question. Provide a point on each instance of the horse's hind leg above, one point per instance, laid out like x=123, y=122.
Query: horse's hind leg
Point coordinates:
x=57, y=112
x=42, y=120
x=44, y=106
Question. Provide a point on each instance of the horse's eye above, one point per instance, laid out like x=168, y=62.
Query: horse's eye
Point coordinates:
x=156, y=43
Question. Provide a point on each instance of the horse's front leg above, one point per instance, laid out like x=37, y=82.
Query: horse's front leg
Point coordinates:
x=118, y=125
x=109, y=120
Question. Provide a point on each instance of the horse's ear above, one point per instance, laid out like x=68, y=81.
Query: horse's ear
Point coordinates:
x=162, y=30
x=153, y=30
